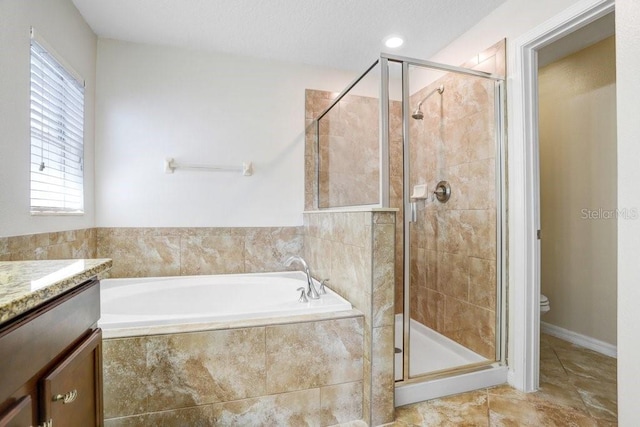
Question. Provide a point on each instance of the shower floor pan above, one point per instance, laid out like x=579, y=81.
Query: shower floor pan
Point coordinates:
x=430, y=351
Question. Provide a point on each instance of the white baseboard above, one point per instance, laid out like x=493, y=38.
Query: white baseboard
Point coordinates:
x=579, y=339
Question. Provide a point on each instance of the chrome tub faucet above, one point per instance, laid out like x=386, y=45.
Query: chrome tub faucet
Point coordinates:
x=311, y=289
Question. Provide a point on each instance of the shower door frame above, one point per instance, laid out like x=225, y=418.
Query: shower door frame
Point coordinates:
x=500, y=188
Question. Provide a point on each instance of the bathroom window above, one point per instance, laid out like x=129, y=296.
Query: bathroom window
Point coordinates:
x=57, y=133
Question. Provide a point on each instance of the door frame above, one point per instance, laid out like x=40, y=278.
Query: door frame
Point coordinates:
x=524, y=182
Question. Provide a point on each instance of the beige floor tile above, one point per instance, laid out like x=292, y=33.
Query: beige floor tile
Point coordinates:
x=467, y=409
x=577, y=388
x=513, y=412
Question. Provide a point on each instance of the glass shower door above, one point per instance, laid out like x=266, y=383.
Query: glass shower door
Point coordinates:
x=451, y=197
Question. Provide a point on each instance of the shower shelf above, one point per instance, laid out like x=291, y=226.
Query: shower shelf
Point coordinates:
x=170, y=166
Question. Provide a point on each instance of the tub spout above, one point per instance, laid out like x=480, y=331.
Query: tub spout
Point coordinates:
x=311, y=289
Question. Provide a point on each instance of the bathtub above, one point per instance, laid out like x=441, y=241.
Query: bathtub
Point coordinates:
x=201, y=348
x=153, y=302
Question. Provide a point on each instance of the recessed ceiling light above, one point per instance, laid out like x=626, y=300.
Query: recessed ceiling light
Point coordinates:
x=393, y=42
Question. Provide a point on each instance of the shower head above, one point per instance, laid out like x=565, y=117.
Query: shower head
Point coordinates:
x=417, y=113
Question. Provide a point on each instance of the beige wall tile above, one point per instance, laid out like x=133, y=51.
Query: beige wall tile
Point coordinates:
x=204, y=367
x=206, y=254
x=140, y=254
x=382, y=376
x=383, y=274
x=124, y=373
x=266, y=249
x=302, y=356
x=471, y=326
x=196, y=416
x=482, y=283
x=299, y=408
x=164, y=372
x=341, y=403
x=453, y=275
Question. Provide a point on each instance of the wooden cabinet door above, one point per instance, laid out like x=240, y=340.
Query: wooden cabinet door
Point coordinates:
x=18, y=414
x=71, y=394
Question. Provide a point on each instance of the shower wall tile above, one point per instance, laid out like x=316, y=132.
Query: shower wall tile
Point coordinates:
x=453, y=275
x=471, y=326
x=302, y=356
x=148, y=252
x=482, y=283
x=71, y=244
x=434, y=308
x=348, y=156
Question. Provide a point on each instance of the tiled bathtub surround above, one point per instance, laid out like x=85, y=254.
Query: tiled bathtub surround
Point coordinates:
x=355, y=251
x=150, y=252
x=71, y=244
x=305, y=373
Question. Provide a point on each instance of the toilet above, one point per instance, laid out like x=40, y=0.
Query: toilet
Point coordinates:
x=544, y=304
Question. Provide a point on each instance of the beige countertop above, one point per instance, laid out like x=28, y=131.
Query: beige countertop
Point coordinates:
x=28, y=284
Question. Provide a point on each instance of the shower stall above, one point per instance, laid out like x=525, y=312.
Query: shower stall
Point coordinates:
x=426, y=139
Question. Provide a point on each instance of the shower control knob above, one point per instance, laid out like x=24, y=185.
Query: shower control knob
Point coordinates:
x=443, y=191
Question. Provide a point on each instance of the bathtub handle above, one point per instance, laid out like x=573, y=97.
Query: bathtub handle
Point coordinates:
x=322, y=290
x=303, y=295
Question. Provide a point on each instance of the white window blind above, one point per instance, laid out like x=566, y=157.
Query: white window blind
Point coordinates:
x=57, y=135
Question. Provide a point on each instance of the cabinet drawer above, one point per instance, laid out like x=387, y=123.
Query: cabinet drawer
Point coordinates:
x=30, y=344
x=18, y=414
x=71, y=394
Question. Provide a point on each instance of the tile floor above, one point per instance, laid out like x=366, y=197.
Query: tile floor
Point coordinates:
x=577, y=388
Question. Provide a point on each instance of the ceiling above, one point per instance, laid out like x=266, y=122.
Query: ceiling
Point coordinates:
x=344, y=34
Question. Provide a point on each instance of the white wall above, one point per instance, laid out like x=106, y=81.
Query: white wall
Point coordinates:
x=60, y=24
x=202, y=108
x=510, y=20
x=628, y=94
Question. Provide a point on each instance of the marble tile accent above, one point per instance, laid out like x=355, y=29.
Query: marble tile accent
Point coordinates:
x=149, y=252
x=302, y=356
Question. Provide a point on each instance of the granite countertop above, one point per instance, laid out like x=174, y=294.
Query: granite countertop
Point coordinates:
x=27, y=284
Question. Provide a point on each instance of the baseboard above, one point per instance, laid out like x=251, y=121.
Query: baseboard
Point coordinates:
x=579, y=339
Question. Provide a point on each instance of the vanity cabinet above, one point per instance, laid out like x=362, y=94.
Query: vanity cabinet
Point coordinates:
x=51, y=363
